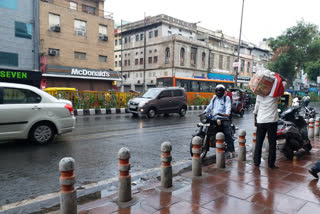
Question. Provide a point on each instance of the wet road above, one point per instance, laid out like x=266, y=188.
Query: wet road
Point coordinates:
x=30, y=170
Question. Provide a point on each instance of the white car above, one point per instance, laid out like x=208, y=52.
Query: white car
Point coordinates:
x=27, y=112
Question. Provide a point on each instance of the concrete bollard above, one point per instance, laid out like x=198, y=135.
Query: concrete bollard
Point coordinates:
x=220, y=157
x=254, y=140
x=311, y=129
x=68, y=194
x=166, y=168
x=242, y=145
x=196, y=159
x=124, y=186
x=317, y=129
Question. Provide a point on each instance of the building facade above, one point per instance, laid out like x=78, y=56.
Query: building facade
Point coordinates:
x=77, y=45
x=19, y=35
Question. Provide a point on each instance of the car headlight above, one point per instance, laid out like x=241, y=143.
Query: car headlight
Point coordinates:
x=142, y=104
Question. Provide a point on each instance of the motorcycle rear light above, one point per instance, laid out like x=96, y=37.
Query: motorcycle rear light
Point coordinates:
x=70, y=109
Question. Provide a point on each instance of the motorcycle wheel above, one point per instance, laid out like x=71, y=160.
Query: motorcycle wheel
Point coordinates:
x=289, y=147
x=307, y=147
x=204, y=148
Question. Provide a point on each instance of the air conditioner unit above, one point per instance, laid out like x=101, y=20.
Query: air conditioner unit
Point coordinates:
x=103, y=37
x=55, y=28
x=53, y=52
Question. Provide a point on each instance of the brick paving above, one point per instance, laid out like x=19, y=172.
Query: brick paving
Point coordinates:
x=239, y=188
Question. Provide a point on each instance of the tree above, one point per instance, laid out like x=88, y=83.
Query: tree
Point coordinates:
x=296, y=50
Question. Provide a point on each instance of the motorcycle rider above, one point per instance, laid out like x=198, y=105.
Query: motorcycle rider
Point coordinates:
x=221, y=103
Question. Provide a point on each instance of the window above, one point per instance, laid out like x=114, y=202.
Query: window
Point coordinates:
x=88, y=9
x=220, y=61
x=73, y=5
x=115, y=42
x=125, y=40
x=141, y=61
x=115, y=64
x=203, y=59
x=150, y=34
x=165, y=94
x=228, y=63
x=53, y=52
x=167, y=55
x=54, y=20
x=155, y=59
x=248, y=67
x=80, y=28
x=193, y=56
x=125, y=62
x=155, y=50
x=103, y=58
x=136, y=61
x=120, y=41
x=141, y=36
x=182, y=52
x=9, y=59
x=169, y=32
x=80, y=55
x=150, y=60
x=242, y=65
x=103, y=30
x=136, y=53
x=128, y=62
x=156, y=33
x=23, y=30
x=120, y=63
x=150, y=51
x=177, y=93
x=137, y=37
x=17, y=96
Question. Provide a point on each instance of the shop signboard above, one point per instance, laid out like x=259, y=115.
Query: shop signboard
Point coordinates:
x=21, y=76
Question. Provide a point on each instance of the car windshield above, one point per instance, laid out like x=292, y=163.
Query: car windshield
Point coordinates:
x=152, y=93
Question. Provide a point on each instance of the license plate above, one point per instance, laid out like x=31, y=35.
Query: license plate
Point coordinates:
x=206, y=124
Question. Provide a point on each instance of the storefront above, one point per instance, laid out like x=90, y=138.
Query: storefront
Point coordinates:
x=21, y=76
x=79, y=78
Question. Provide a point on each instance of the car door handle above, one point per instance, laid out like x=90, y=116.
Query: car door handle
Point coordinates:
x=36, y=108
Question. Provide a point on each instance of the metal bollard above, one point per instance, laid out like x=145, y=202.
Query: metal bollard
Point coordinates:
x=254, y=140
x=311, y=130
x=124, y=186
x=196, y=159
x=317, y=129
x=220, y=158
x=68, y=194
x=242, y=145
x=166, y=168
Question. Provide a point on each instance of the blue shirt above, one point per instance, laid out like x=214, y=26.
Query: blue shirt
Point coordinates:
x=219, y=106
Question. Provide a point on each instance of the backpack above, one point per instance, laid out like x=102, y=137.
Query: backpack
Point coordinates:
x=215, y=96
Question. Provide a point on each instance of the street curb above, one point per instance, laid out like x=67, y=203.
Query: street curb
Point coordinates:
x=87, y=112
x=106, y=187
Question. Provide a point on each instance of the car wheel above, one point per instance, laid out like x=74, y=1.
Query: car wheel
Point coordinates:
x=151, y=113
x=183, y=111
x=42, y=133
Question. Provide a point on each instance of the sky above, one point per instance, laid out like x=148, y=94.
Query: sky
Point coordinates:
x=261, y=18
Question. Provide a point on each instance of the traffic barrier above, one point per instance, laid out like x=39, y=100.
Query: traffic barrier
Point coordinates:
x=124, y=186
x=196, y=159
x=317, y=129
x=311, y=130
x=68, y=194
x=254, y=140
x=220, y=157
x=242, y=145
x=166, y=168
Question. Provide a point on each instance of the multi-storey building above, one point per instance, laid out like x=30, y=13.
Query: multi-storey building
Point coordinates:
x=19, y=34
x=77, y=44
x=117, y=49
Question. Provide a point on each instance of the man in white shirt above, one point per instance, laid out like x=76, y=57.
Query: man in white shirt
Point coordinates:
x=266, y=118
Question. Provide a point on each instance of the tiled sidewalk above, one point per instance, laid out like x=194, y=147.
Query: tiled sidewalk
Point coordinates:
x=239, y=188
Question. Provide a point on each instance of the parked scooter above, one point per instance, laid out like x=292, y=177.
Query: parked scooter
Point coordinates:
x=292, y=134
x=309, y=112
x=209, y=126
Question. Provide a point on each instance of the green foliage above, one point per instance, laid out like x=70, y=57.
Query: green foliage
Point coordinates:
x=313, y=70
x=314, y=97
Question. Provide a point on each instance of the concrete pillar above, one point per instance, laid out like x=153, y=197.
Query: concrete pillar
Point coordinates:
x=68, y=194
x=317, y=129
x=242, y=145
x=311, y=129
x=254, y=140
x=196, y=159
x=166, y=168
x=124, y=186
x=220, y=156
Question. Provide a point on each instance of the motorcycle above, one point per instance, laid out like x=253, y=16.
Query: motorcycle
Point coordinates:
x=292, y=134
x=209, y=126
x=309, y=112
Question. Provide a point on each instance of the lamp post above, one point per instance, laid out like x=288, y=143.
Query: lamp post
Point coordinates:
x=238, y=58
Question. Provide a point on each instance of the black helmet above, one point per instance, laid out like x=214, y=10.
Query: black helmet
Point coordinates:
x=220, y=89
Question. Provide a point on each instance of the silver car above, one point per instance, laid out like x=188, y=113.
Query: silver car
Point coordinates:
x=27, y=112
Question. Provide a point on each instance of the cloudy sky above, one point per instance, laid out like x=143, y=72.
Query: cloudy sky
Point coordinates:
x=261, y=19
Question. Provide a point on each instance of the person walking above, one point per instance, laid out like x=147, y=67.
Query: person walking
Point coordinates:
x=315, y=169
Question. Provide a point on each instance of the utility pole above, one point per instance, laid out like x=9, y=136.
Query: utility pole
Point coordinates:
x=238, y=58
x=144, y=54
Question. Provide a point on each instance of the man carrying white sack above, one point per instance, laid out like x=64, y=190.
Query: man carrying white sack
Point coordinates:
x=265, y=119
